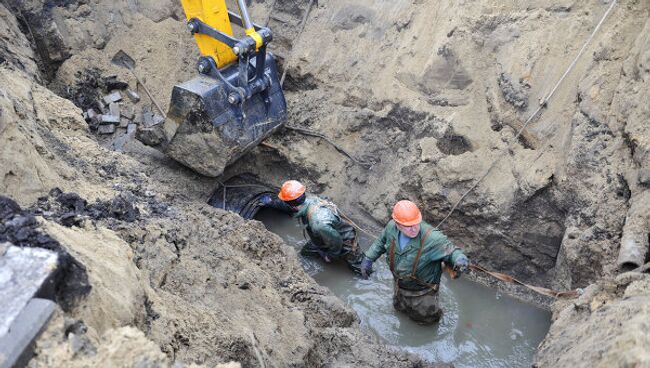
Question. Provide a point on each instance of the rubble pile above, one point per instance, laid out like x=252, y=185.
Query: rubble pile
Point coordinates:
x=115, y=110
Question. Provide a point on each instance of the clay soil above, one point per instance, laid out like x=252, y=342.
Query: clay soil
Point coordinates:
x=428, y=93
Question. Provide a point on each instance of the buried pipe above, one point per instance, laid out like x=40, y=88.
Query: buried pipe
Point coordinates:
x=634, y=242
x=241, y=194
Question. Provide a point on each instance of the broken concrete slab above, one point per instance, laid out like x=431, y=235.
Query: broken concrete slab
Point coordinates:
x=91, y=115
x=112, y=97
x=106, y=129
x=128, y=112
x=23, y=273
x=114, y=108
x=124, y=122
x=157, y=119
x=138, y=118
x=16, y=346
x=148, y=119
x=110, y=119
x=133, y=96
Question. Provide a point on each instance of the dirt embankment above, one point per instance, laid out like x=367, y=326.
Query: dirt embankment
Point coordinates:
x=434, y=92
x=169, y=279
x=430, y=92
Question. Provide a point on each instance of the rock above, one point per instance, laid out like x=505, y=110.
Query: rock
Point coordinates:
x=112, y=83
x=23, y=272
x=513, y=92
x=148, y=119
x=157, y=119
x=114, y=109
x=106, y=129
x=151, y=136
x=112, y=97
x=110, y=119
x=133, y=96
x=128, y=112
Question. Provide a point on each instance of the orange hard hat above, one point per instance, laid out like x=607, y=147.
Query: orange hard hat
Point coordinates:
x=291, y=189
x=406, y=213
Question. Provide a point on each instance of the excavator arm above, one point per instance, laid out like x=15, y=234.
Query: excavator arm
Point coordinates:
x=235, y=102
x=211, y=23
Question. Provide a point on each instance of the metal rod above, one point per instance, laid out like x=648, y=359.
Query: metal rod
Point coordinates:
x=243, y=10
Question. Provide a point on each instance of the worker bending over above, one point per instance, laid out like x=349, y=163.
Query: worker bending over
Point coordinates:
x=416, y=251
x=330, y=236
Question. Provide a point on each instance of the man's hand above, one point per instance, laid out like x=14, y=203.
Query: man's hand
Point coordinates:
x=366, y=267
x=461, y=265
x=266, y=200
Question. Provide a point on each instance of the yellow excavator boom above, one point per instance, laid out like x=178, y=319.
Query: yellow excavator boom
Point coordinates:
x=215, y=14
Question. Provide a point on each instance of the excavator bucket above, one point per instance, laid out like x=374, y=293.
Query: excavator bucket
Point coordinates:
x=210, y=132
x=234, y=103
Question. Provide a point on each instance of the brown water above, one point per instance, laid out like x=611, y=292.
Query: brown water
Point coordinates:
x=479, y=328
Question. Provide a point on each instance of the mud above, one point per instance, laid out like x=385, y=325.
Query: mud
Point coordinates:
x=430, y=92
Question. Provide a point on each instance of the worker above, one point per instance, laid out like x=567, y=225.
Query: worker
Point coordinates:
x=415, y=255
x=330, y=236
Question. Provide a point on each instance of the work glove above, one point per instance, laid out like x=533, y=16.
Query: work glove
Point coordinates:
x=266, y=199
x=324, y=256
x=461, y=265
x=366, y=267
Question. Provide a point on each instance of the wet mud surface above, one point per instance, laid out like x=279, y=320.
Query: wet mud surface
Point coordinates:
x=480, y=327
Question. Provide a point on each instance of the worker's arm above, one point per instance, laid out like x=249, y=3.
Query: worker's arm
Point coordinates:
x=456, y=258
x=378, y=247
x=267, y=201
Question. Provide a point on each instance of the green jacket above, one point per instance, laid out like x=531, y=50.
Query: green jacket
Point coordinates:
x=437, y=249
x=325, y=227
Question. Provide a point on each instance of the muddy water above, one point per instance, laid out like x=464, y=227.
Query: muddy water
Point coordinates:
x=480, y=327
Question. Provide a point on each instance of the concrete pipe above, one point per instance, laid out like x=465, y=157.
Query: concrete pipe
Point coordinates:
x=635, y=242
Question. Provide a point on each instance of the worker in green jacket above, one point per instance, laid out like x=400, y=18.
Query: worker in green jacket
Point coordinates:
x=415, y=255
x=330, y=236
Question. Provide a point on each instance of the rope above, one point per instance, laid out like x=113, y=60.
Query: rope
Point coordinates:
x=497, y=275
x=543, y=104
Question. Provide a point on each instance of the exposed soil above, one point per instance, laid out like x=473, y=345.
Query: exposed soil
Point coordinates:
x=430, y=93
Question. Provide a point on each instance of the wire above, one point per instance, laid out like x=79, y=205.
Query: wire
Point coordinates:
x=543, y=104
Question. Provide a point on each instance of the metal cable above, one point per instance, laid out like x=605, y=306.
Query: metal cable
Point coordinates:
x=543, y=104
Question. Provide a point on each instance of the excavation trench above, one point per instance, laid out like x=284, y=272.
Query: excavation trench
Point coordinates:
x=480, y=328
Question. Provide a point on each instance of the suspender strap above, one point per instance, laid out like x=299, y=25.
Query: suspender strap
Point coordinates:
x=391, y=258
x=416, y=261
x=417, y=256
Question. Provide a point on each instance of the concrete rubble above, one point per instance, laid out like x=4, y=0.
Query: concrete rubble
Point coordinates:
x=25, y=273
